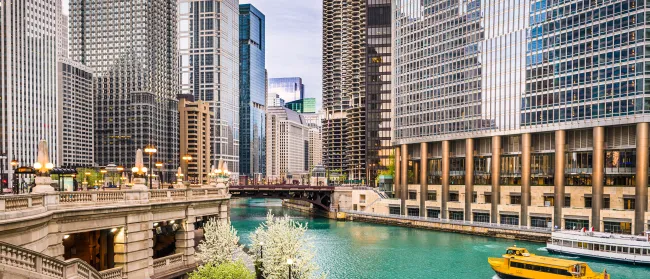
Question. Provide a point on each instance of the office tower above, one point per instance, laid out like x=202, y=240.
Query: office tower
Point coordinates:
x=276, y=101
x=75, y=123
x=540, y=120
x=28, y=98
x=356, y=87
x=306, y=105
x=252, y=90
x=209, y=49
x=195, y=118
x=61, y=31
x=315, y=151
x=287, y=144
x=132, y=50
x=288, y=88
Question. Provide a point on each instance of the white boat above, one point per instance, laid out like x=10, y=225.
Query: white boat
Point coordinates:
x=607, y=246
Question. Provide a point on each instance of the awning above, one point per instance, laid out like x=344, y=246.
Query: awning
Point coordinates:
x=588, y=195
x=487, y=193
x=456, y=209
x=541, y=215
x=576, y=217
x=549, y=195
x=480, y=211
x=509, y=213
x=413, y=206
x=433, y=207
x=629, y=196
x=453, y=192
x=515, y=194
x=617, y=220
x=431, y=191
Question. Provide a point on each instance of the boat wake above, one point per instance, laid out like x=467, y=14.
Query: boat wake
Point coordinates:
x=568, y=257
x=496, y=277
x=541, y=249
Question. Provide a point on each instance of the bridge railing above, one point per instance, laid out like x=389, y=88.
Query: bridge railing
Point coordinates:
x=449, y=221
x=15, y=206
x=21, y=261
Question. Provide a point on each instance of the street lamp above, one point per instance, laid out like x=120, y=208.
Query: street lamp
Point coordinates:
x=187, y=158
x=289, y=263
x=159, y=165
x=150, y=149
x=261, y=249
x=14, y=165
x=103, y=172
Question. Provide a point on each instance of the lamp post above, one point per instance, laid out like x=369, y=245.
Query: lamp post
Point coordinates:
x=261, y=249
x=150, y=149
x=103, y=171
x=187, y=158
x=159, y=165
x=120, y=170
x=14, y=165
x=289, y=263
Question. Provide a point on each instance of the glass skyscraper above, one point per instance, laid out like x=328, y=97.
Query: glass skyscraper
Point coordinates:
x=523, y=112
x=289, y=89
x=209, y=50
x=306, y=105
x=252, y=91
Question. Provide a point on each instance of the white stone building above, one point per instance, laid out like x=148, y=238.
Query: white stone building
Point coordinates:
x=287, y=143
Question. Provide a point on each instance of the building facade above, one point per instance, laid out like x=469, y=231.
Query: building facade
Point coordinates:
x=288, y=89
x=28, y=81
x=75, y=119
x=62, y=43
x=315, y=149
x=306, y=105
x=287, y=143
x=209, y=50
x=356, y=87
x=131, y=48
x=252, y=91
x=195, y=119
x=523, y=113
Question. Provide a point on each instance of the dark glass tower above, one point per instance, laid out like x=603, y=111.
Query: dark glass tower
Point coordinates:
x=252, y=91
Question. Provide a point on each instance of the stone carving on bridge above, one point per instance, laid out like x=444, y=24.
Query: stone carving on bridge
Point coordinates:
x=179, y=179
x=139, y=172
x=43, y=167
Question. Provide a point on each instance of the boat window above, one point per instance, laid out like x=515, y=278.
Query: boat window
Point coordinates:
x=625, y=250
x=637, y=251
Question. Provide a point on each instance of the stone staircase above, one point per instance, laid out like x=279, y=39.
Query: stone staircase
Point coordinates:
x=21, y=263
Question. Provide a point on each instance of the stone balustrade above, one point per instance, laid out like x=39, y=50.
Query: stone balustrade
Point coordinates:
x=164, y=264
x=58, y=200
x=18, y=262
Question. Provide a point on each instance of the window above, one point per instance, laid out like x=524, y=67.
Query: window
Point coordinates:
x=453, y=197
x=362, y=198
x=456, y=215
x=432, y=196
x=606, y=203
x=540, y=222
x=587, y=202
x=413, y=211
x=394, y=210
x=488, y=198
x=509, y=220
x=628, y=203
x=618, y=227
x=567, y=201
x=574, y=224
x=413, y=195
x=515, y=199
x=474, y=197
x=433, y=213
x=481, y=217
x=549, y=200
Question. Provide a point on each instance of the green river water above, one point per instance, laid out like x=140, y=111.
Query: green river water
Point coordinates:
x=361, y=250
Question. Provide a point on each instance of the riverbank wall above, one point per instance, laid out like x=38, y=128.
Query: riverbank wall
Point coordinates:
x=505, y=233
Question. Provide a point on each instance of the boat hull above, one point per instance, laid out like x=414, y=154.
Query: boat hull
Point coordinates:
x=508, y=276
x=604, y=258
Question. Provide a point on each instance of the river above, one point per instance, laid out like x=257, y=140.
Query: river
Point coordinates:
x=346, y=250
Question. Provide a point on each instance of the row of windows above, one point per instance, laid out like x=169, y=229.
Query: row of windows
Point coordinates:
x=600, y=92
x=601, y=110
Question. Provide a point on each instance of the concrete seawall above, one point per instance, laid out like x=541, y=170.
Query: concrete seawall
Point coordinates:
x=456, y=228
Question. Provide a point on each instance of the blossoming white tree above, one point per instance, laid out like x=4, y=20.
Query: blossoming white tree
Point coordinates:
x=220, y=243
x=280, y=239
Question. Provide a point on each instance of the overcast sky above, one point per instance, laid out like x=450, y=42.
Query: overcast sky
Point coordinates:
x=293, y=40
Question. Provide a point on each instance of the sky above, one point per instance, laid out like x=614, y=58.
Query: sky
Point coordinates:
x=293, y=40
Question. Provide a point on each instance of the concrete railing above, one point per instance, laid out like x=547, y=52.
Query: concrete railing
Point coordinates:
x=448, y=221
x=164, y=264
x=18, y=260
x=21, y=205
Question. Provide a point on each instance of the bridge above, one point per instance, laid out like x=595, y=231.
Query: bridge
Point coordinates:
x=319, y=196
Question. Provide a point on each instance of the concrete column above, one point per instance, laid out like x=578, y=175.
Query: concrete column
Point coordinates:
x=404, y=188
x=185, y=238
x=526, y=147
x=423, y=178
x=398, y=173
x=560, y=144
x=120, y=248
x=496, y=175
x=469, y=177
x=136, y=254
x=641, y=195
x=598, y=176
x=445, y=180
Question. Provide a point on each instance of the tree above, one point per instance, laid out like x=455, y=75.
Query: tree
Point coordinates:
x=236, y=270
x=278, y=240
x=220, y=243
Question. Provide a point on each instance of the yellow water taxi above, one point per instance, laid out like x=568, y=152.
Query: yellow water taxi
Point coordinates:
x=517, y=263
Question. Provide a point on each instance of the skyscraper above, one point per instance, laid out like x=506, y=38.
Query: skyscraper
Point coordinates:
x=306, y=105
x=132, y=50
x=209, y=49
x=287, y=144
x=356, y=86
x=526, y=113
x=28, y=87
x=288, y=88
x=252, y=91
